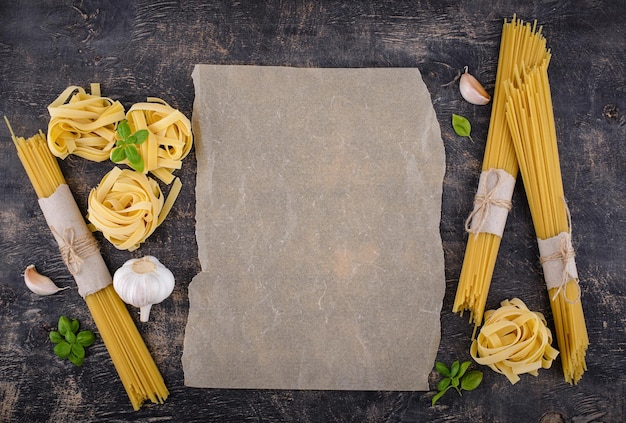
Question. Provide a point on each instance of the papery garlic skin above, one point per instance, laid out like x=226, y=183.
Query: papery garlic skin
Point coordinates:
x=142, y=283
x=38, y=283
x=472, y=91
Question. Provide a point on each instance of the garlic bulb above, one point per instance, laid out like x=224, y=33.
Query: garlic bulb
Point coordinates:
x=142, y=283
x=38, y=283
x=472, y=91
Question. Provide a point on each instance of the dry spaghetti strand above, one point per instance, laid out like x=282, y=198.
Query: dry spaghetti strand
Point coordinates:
x=531, y=120
x=521, y=44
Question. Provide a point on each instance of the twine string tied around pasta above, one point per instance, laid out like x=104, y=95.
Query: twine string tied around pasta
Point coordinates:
x=75, y=250
x=557, y=258
x=491, y=203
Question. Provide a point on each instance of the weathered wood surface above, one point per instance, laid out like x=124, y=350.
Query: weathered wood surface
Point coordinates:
x=148, y=48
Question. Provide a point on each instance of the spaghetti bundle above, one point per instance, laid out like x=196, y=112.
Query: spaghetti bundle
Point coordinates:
x=131, y=358
x=531, y=120
x=521, y=45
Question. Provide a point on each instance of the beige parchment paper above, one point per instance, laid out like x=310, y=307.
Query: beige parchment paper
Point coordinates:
x=317, y=222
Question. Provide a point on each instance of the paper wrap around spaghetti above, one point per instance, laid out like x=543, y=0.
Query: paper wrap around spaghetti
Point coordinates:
x=491, y=203
x=78, y=247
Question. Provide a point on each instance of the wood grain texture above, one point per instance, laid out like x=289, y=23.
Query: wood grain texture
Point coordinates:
x=148, y=48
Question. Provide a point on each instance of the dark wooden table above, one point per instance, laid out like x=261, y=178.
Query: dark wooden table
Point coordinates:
x=148, y=48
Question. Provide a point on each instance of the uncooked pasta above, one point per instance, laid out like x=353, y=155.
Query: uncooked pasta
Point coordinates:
x=520, y=44
x=530, y=118
x=137, y=370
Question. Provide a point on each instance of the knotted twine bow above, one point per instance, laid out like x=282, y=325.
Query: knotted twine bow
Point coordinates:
x=559, y=249
x=496, y=196
x=74, y=250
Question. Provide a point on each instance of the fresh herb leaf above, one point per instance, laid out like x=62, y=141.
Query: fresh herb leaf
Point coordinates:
x=69, y=343
x=85, y=338
x=141, y=136
x=64, y=325
x=462, y=126
x=126, y=146
x=62, y=349
x=443, y=383
x=75, y=360
x=456, y=377
x=74, y=325
x=118, y=154
x=471, y=380
x=463, y=368
x=56, y=337
x=442, y=369
x=454, y=369
x=78, y=350
x=134, y=158
x=123, y=129
x=438, y=395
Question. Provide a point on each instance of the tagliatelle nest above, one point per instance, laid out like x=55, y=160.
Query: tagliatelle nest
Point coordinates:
x=514, y=341
x=128, y=206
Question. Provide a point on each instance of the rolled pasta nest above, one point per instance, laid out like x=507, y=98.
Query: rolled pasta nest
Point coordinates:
x=83, y=124
x=127, y=207
x=169, y=136
x=514, y=341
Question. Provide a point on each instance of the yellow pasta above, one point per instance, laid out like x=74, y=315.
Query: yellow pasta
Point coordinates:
x=531, y=121
x=514, y=341
x=132, y=360
x=128, y=206
x=521, y=44
x=83, y=124
x=169, y=136
x=137, y=370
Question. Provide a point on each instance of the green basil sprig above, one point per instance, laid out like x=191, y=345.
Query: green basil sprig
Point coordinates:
x=456, y=377
x=126, y=146
x=69, y=342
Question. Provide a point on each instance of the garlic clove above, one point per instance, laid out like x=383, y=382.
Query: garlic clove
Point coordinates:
x=38, y=283
x=472, y=91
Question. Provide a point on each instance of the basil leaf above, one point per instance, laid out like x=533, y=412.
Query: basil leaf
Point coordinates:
x=454, y=369
x=64, y=325
x=471, y=380
x=85, y=338
x=438, y=395
x=463, y=368
x=62, y=349
x=461, y=126
x=141, y=136
x=74, y=325
x=118, y=154
x=70, y=337
x=78, y=350
x=442, y=369
x=443, y=384
x=56, y=337
x=78, y=361
x=123, y=129
x=134, y=158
